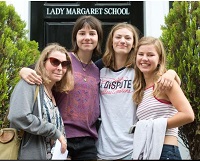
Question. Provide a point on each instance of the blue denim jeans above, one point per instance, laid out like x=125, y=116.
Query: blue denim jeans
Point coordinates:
x=170, y=152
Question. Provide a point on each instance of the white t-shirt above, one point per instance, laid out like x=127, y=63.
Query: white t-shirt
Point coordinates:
x=118, y=113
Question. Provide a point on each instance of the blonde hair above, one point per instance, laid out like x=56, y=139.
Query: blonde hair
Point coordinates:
x=67, y=82
x=108, y=57
x=139, y=81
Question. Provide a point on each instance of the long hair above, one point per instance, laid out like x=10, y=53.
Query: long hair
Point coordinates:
x=139, y=81
x=95, y=24
x=109, y=56
x=67, y=82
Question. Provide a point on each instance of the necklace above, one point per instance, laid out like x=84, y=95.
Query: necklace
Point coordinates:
x=49, y=94
x=83, y=67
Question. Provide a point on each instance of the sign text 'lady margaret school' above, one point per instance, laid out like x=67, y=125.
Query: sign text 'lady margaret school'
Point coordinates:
x=65, y=11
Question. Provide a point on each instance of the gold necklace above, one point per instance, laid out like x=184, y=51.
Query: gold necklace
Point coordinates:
x=84, y=67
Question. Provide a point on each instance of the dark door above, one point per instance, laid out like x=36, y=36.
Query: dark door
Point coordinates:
x=52, y=21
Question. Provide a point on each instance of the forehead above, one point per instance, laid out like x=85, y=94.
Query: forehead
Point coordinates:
x=86, y=28
x=147, y=48
x=58, y=54
x=123, y=31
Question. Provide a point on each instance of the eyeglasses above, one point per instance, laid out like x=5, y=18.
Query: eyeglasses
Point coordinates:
x=55, y=62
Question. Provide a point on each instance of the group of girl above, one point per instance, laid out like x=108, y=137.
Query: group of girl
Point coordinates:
x=113, y=88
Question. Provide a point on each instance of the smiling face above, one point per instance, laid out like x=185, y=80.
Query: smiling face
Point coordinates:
x=87, y=39
x=147, y=59
x=55, y=73
x=122, y=41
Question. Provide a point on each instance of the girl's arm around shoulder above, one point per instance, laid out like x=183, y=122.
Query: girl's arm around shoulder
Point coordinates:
x=30, y=76
x=178, y=99
x=168, y=78
x=176, y=77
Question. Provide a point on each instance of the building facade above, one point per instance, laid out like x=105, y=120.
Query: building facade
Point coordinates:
x=43, y=18
x=48, y=21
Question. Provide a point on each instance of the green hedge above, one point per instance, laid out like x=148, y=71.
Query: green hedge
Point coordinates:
x=181, y=37
x=16, y=51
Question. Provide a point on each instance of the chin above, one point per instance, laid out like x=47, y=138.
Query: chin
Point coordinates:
x=144, y=71
x=57, y=79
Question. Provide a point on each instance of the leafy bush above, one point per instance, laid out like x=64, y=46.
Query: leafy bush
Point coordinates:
x=181, y=37
x=16, y=51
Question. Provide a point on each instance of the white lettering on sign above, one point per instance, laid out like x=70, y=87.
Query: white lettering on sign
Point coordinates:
x=84, y=11
x=116, y=11
x=55, y=11
x=87, y=11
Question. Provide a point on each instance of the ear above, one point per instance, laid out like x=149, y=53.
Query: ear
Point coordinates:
x=159, y=62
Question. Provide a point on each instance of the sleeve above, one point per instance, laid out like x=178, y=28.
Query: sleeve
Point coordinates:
x=99, y=63
x=21, y=116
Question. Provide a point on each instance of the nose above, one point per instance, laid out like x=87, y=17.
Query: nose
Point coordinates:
x=122, y=40
x=59, y=67
x=144, y=57
x=87, y=36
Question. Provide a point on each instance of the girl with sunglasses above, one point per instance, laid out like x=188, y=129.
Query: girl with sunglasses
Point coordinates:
x=41, y=120
x=80, y=107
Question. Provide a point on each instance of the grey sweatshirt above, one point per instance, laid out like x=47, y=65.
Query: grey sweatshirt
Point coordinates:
x=24, y=114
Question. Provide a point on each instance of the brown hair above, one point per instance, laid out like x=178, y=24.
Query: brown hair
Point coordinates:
x=95, y=24
x=109, y=57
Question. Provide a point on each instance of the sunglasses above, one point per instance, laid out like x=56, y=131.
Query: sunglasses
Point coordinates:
x=55, y=62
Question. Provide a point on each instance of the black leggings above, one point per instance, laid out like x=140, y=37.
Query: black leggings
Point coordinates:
x=82, y=148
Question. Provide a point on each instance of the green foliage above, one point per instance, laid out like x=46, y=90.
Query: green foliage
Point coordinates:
x=181, y=37
x=16, y=51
